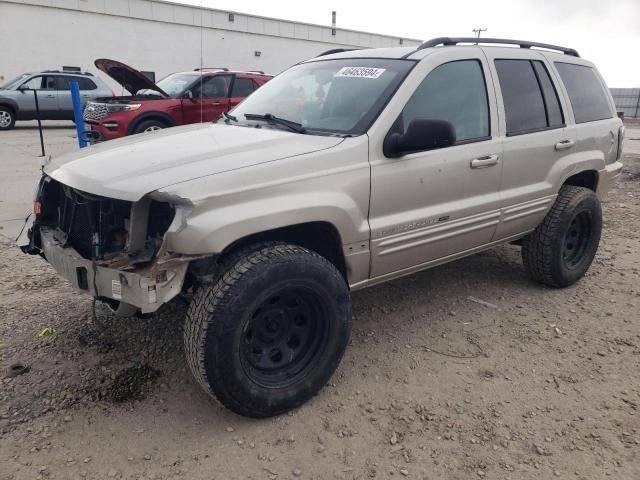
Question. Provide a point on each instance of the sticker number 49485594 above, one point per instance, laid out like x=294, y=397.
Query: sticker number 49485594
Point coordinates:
x=360, y=72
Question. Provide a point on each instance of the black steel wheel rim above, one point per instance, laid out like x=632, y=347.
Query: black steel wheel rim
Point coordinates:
x=577, y=240
x=284, y=337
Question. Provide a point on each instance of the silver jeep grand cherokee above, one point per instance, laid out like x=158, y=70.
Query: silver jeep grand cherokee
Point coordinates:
x=345, y=171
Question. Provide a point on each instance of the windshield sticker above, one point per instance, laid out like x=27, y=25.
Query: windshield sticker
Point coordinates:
x=360, y=72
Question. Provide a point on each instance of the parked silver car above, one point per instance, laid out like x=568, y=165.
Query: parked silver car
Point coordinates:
x=17, y=101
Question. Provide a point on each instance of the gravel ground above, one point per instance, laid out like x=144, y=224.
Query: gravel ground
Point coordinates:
x=468, y=370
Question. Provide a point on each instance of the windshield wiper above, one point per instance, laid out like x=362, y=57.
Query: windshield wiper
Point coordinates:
x=228, y=116
x=268, y=117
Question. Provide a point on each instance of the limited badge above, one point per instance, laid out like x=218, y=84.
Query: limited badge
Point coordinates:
x=116, y=289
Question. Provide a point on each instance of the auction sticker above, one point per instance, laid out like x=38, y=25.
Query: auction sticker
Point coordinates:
x=360, y=72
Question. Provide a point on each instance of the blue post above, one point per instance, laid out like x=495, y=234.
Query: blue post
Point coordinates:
x=77, y=113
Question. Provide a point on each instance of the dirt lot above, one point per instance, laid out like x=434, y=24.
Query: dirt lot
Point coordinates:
x=468, y=370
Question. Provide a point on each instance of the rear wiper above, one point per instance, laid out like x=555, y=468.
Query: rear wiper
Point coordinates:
x=228, y=116
x=268, y=117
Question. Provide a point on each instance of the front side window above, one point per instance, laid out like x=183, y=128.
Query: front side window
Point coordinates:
x=530, y=99
x=340, y=96
x=455, y=92
x=212, y=87
x=40, y=83
x=586, y=92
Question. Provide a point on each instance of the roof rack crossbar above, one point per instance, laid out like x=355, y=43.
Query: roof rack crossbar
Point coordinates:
x=447, y=41
x=336, y=50
x=224, y=69
x=255, y=71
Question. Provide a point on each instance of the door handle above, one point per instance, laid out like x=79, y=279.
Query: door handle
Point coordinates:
x=215, y=104
x=51, y=96
x=564, y=145
x=486, y=161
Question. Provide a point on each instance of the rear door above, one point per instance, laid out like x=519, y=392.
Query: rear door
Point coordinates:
x=210, y=99
x=242, y=87
x=537, y=140
x=63, y=85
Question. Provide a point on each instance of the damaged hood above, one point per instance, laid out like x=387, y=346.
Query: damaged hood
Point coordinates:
x=134, y=166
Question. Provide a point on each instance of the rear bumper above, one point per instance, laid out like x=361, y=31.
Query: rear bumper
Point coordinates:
x=146, y=288
x=607, y=177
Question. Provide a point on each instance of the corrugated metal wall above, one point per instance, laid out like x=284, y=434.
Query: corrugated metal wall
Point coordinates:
x=627, y=100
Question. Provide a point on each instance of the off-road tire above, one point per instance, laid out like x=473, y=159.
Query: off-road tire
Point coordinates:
x=545, y=250
x=149, y=124
x=9, y=115
x=221, y=315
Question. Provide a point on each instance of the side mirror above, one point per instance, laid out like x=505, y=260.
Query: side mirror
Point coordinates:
x=24, y=88
x=188, y=94
x=422, y=134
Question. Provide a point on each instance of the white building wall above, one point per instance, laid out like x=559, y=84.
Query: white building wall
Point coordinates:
x=158, y=36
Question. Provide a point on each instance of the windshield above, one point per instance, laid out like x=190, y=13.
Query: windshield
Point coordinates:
x=176, y=83
x=338, y=96
x=14, y=82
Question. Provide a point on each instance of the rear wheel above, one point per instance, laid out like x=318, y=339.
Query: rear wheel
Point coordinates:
x=150, y=126
x=272, y=330
x=560, y=250
x=7, y=118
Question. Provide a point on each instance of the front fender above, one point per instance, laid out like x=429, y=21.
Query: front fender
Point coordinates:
x=330, y=185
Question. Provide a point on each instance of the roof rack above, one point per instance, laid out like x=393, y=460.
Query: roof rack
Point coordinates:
x=72, y=72
x=447, y=41
x=337, y=50
x=224, y=69
x=255, y=71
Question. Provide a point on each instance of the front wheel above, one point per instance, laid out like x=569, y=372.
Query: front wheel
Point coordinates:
x=150, y=126
x=7, y=118
x=271, y=331
x=560, y=250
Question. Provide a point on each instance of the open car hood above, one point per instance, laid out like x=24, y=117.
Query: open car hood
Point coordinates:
x=130, y=78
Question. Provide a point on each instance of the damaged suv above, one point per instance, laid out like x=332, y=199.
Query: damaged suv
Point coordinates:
x=343, y=172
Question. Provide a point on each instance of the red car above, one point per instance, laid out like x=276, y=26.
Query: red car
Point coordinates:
x=178, y=99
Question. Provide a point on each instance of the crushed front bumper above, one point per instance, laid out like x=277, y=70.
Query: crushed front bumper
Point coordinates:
x=146, y=288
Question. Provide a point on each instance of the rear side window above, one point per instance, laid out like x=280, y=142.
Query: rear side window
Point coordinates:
x=530, y=99
x=455, y=92
x=242, y=87
x=586, y=93
x=64, y=83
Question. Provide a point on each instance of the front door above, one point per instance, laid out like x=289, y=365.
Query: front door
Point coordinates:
x=45, y=85
x=210, y=98
x=430, y=205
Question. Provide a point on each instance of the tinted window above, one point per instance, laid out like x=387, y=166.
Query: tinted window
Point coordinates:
x=549, y=95
x=242, y=87
x=212, y=87
x=523, y=102
x=455, y=92
x=586, y=93
x=64, y=83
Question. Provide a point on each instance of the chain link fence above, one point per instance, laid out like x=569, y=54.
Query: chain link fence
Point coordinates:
x=627, y=101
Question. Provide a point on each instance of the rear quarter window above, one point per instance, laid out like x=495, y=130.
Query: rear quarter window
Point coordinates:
x=586, y=93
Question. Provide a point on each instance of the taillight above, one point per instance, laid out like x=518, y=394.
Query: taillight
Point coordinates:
x=620, y=142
